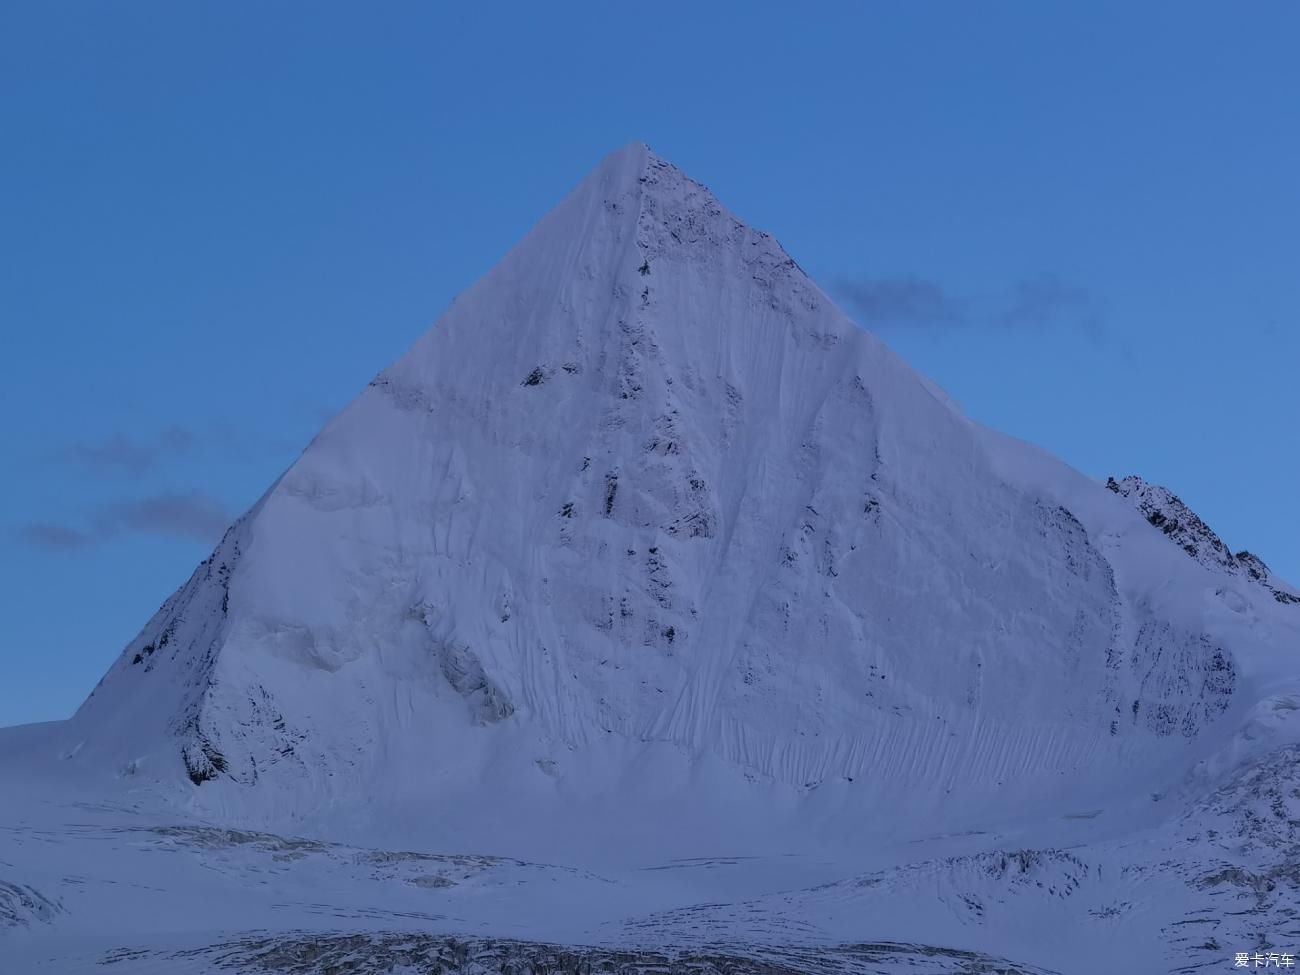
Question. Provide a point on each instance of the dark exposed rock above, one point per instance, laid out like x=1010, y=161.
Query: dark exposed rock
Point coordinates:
x=450, y=955
x=1166, y=511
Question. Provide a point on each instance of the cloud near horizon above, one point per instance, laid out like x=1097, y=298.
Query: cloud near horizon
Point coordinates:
x=193, y=517
x=912, y=301
x=131, y=455
x=56, y=538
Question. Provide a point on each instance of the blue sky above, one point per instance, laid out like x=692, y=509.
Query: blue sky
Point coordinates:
x=218, y=221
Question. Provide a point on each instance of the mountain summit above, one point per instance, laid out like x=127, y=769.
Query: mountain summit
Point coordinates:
x=644, y=538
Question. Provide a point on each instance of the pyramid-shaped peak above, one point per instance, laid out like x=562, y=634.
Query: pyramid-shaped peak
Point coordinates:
x=643, y=481
x=635, y=180
x=631, y=157
x=635, y=162
x=636, y=245
x=609, y=387
x=645, y=539
x=620, y=169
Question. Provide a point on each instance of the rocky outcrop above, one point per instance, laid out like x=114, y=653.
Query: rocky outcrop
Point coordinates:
x=1167, y=512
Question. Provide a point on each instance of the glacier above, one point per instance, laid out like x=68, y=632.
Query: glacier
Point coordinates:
x=650, y=614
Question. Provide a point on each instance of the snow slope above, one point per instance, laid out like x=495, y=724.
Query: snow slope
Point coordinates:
x=645, y=562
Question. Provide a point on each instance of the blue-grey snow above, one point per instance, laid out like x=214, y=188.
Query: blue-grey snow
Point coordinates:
x=649, y=615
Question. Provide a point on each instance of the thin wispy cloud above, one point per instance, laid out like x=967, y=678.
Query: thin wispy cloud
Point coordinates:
x=911, y=301
x=193, y=517
x=903, y=300
x=132, y=455
x=55, y=538
x=138, y=456
x=1047, y=302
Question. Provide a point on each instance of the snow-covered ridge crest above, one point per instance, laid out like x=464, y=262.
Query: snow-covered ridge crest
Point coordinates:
x=1166, y=511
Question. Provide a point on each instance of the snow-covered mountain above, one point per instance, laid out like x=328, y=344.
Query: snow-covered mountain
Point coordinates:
x=646, y=561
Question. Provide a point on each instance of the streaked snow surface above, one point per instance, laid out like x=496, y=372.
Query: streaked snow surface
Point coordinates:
x=649, y=613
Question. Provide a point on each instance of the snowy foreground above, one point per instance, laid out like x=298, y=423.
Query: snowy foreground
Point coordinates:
x=648, y=615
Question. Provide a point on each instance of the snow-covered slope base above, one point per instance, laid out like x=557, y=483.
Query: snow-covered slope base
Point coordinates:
x=647, y=609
